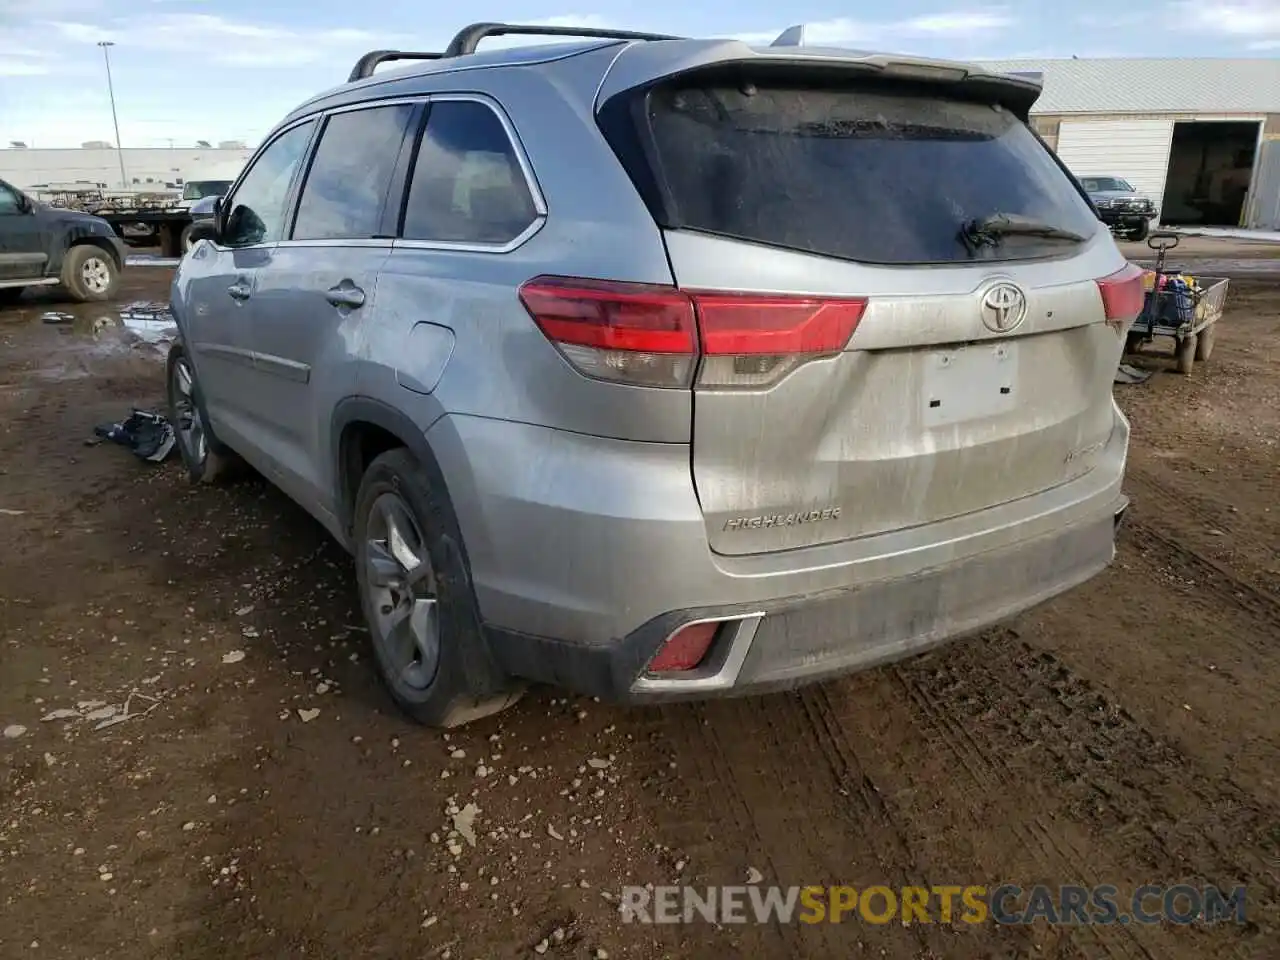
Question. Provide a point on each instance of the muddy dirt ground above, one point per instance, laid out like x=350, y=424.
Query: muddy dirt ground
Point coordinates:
x=1126, y=733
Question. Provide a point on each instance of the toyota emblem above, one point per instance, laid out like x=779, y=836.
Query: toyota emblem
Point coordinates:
x=1004, y=306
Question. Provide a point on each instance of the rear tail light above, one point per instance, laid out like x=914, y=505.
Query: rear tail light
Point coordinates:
x=1122, y=296
x=685, y=649
x=654, y=335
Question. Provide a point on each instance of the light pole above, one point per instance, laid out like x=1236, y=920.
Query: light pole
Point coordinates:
x=106, y=46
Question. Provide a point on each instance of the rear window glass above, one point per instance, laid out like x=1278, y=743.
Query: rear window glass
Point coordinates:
x=874, y=176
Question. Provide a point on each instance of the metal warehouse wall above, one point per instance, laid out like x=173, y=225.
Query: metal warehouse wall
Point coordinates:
x=25, y=168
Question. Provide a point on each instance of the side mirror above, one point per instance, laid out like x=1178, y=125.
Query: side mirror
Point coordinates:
x=204, y=230
x=219, y=217
x=25, y=204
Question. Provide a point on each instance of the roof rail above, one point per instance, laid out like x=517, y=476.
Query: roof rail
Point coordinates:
x=369, y=62
x=468, y=38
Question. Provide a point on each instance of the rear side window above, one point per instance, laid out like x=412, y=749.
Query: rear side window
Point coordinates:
x=876, y=175
x=351, y=173
x=467, y=184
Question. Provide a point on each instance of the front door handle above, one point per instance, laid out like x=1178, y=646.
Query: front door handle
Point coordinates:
x=345, y=294
x=239, y=291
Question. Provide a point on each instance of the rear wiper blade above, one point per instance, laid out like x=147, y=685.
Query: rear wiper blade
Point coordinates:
x=991, y=229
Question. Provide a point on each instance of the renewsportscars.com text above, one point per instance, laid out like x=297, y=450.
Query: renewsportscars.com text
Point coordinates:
x=1003, y=904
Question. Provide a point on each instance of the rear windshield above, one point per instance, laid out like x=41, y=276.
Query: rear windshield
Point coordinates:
x=868, y=175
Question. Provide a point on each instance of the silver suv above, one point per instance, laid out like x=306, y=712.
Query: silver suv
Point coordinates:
x=652, y=367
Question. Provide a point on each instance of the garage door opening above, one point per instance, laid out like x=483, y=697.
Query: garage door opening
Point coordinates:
x=1210, y=169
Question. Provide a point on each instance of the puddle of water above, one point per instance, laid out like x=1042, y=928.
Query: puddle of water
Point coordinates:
x=140, y=325
x=149, y=321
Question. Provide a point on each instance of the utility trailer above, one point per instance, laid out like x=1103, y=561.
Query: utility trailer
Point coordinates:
x=157, y=219
x=168, y=227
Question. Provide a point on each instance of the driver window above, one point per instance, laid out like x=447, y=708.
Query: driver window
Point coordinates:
x=9, y=201
x=256, y=210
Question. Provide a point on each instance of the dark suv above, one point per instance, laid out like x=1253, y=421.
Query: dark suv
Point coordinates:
x=43, y=246
x=1122, y=208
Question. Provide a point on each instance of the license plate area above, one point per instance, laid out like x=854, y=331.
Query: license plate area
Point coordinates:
x=972, y=382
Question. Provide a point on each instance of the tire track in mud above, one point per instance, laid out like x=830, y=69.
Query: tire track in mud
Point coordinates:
x=1221, y=581
x=1211, y=514
x=777, y=788
x=1021, y=722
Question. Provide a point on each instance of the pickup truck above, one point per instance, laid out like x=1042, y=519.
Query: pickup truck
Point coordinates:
x=1122, y=208
x=43, y=246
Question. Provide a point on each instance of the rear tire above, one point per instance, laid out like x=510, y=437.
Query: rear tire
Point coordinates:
x=206, y=460
x=90, y=274
x=10, y=295
x=1185, y=354
x=417, y=598
x=1204, y=343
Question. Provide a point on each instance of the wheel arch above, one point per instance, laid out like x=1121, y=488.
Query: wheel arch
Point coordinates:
x=102, y=243
x=362, y=428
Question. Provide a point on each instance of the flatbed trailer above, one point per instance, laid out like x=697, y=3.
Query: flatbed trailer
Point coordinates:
x=166, y=227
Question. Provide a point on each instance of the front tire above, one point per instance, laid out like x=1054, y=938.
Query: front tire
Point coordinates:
x=1140, y=232
x=205, y=459
x=90, y=274
x=417, y=598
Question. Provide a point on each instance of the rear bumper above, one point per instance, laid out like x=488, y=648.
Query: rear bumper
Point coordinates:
x=583, y=572
x=791, y=641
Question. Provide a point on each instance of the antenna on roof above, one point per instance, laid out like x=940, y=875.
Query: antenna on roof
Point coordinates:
x=790, y=37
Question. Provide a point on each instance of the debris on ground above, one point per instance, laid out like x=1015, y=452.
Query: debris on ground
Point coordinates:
x=1129, y=374
x=14, y=731
x=149, y=435
x=307, y=715
x=103, y=714
x=464, y=822
x=234, y=656
x=6, y=512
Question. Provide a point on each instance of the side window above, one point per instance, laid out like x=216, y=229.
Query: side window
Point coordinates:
x=257, y=207
x=349, y=178
x=467, y=185
x=9, y=202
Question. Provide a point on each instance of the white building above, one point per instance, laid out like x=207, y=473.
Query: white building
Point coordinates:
x=1201, y=137
x=145, y=169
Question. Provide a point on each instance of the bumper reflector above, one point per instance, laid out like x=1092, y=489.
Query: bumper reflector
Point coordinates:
x=685, y=649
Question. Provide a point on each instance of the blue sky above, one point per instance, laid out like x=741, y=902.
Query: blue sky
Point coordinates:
x=228, y=69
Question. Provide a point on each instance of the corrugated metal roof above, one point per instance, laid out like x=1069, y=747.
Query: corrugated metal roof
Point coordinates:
x=1155, y=85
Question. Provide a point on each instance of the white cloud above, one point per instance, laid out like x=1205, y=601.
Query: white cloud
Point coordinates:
x=1257, y=21
x=960, y=23
x=845, y=31
x=219, y=39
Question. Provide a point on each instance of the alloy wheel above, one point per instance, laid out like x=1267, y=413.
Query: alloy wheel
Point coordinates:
x=401, y=589
x=190, y=425
x=96, y=275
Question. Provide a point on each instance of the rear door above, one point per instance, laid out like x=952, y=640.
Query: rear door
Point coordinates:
x=926, y=370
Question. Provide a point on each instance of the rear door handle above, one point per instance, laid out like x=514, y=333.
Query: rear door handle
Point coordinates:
x=239, y=290
x=345, y=294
